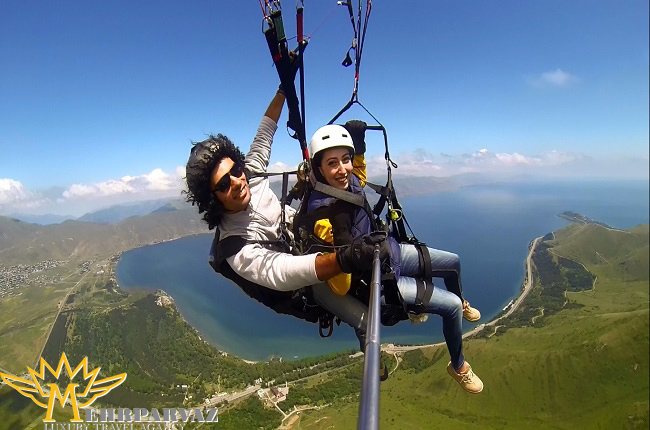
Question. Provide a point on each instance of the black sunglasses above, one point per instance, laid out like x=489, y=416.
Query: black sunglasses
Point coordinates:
x=224, y=183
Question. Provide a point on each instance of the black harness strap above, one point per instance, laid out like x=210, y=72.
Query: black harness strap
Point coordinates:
x=283, y=218
x=428, y=273
x=399, y=223
x=298, y=303
x=231, y=245
x=287, y=239
x=384, y=194
x=379, y=189
x=425, y=284
x=325, y=323
x=347, y=196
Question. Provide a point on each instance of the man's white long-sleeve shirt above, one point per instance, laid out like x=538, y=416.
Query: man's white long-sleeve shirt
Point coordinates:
x=261, y=222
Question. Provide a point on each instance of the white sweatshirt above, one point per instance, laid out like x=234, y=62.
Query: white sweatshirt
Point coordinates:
x=261, y=221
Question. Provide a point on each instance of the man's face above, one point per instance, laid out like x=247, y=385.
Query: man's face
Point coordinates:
x=231, y=190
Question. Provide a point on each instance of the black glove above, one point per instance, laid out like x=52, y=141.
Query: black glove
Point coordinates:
x=357, y=130
x=293, y=68
x=293, y=65
x=358, y=255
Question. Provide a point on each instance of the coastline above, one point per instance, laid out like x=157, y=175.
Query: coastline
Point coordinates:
x=389, y=347
x=539, y=218
x=161, y=293
x=526, y=287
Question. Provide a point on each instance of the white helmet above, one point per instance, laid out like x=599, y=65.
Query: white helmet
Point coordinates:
x=330, y=136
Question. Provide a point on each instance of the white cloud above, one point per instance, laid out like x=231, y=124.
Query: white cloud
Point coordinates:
x=15, y=197
x=423, y=163
x=156, y=180
x=12, y=191
x=417, y=163
x=280, y=167
x=80, y=198
x=553, y=78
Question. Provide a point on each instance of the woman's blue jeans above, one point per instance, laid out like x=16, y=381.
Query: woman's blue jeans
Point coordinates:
x=444, y=303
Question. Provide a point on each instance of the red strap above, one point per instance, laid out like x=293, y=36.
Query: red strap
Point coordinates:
x=299, y=25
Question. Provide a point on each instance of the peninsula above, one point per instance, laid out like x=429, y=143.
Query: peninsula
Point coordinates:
x=581, y=219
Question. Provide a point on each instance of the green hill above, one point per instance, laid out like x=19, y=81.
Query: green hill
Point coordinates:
x=12, y=230
x=23, y=243
x=40, y=265
x=584, y=367
x=573, y=360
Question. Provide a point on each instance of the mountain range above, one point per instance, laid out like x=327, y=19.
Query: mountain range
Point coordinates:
x=405, y=185
x=26, y=243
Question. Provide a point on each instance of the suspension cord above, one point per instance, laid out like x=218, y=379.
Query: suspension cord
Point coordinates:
x=301, y=69
x=357, y=46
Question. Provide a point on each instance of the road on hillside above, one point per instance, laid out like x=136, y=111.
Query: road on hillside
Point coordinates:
x=232, y=397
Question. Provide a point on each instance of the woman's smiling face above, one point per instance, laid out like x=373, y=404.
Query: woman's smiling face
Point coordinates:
x=336, y=166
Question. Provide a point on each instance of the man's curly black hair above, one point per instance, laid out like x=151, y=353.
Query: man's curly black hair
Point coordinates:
x=204, y=157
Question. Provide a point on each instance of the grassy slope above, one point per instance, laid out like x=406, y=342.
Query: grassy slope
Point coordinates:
x=23, y=243
x=26, y=319
x=586, y=368
x=24, y=323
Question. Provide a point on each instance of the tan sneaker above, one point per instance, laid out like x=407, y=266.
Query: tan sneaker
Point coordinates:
x=468, y=380
x=469, y=313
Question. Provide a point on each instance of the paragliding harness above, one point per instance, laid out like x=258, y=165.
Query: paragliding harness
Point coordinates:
x=394, y=309
x=395, y=225
x=298, y=303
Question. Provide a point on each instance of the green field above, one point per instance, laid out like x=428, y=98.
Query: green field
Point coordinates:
x=25, y=321
x=580, y=364
x=585, y=367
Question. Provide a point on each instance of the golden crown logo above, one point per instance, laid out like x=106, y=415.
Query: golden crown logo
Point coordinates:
x=94, y=389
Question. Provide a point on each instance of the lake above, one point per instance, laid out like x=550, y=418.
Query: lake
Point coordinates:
x=489, y=227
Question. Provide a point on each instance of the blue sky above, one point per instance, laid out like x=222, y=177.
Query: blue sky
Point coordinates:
x=99, y=101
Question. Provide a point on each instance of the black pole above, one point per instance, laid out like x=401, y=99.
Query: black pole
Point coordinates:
x=369, y=402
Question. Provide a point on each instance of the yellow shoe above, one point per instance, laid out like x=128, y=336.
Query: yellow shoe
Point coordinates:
x=468, y=380
x=469, y=313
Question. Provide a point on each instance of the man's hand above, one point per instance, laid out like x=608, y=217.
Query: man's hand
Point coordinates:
x=358, y=255
x=294, y=63
x=357, y=130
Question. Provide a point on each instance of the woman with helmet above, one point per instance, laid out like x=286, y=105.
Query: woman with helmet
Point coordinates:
x=337, y=159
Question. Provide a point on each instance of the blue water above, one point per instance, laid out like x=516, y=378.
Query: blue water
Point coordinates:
x=490, y=227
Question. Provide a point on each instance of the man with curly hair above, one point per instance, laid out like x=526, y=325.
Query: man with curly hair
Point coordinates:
x=221, y=182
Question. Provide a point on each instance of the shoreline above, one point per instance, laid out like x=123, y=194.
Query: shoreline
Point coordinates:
x=114, y=260
x=526, y=287
x=389, y=347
